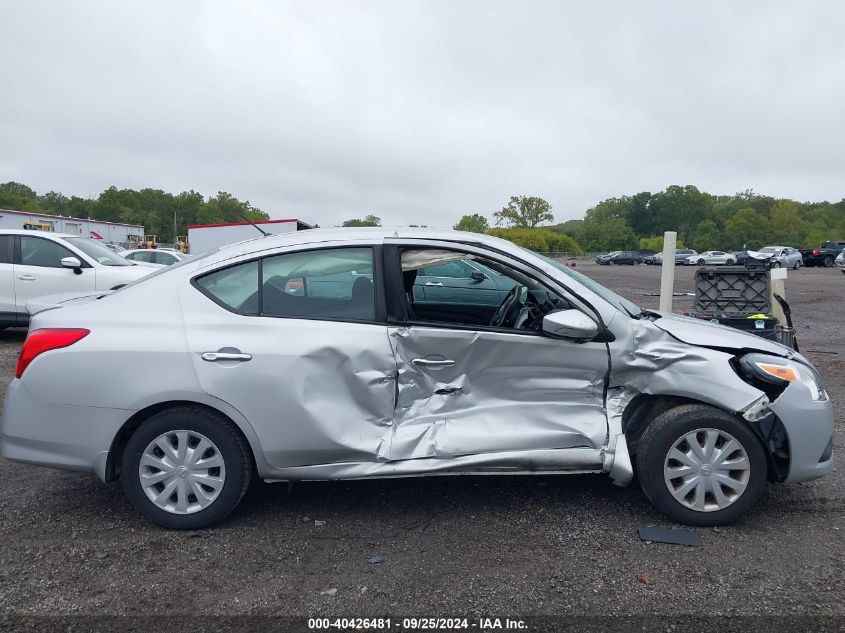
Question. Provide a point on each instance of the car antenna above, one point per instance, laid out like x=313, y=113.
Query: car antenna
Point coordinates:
x=257, y=228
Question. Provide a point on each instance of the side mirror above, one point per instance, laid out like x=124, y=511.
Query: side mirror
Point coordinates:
x=570, y=324
x=478, y=276
x=74, y=263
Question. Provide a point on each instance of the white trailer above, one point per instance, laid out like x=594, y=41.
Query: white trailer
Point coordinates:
x=86, y=227
x=203, y=237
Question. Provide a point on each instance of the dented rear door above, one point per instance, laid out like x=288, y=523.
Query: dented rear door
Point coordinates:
x=465, y=392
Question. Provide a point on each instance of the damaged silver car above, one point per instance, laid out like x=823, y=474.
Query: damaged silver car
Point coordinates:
x=317, y=355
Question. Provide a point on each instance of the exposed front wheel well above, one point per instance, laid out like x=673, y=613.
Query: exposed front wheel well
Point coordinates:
x=645, y=408
x=132, y=424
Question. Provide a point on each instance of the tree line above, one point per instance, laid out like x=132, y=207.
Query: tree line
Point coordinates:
x=153, y=208
x=703, y=221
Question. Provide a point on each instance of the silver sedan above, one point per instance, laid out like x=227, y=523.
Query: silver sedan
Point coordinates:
x=316, y=355
x=783, y=256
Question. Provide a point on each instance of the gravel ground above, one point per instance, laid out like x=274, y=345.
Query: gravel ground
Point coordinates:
x=528, y=545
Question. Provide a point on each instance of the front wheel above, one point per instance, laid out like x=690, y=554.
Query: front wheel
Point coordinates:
x=729, y=262
x=186, y=468
x=701, y=262
x=797, y=265
x=775, y=264
x=700, y=465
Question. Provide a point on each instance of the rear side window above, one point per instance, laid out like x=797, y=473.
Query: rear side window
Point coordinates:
x=323, y=284
x=235, y=288
x=142, y=256
x=329, y=283
x=6, y=246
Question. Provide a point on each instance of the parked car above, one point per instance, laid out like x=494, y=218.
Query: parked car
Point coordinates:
x=154, y=256
x=460, y=282
x=655, y=259
x=825, y=255
x=233, y=374
x=783, y=256
x=711, y=258
x=840, y=261
x=620, y=257
x=35, y=263
x=681, y=255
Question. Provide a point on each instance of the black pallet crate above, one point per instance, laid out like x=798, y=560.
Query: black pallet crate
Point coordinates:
x=731, y=291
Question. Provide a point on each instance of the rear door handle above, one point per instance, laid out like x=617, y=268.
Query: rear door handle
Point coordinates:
x=424, y=362
x=26, y=278
x=433, y=283
x=213, y=357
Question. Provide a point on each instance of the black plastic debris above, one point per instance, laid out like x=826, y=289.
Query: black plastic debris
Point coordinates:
x=690, y=538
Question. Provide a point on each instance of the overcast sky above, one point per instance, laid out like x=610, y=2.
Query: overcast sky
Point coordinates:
x=420, y=112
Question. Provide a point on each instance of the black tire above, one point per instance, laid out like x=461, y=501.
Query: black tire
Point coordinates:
x=231, y=445
x=660, y=436
x=729, y=262
x=775, y=264
x=701, y=262
x=797, y=265
x=828, y=261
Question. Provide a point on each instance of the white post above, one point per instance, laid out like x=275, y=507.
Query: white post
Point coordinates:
x=667, y=271
x=777, y=279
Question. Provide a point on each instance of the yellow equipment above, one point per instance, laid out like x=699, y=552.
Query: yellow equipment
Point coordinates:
x=38, y=226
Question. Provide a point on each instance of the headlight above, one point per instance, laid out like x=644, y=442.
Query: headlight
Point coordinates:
x=779, y=372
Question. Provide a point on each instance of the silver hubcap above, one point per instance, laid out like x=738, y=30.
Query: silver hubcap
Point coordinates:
x=182, y=472
x=706, y=470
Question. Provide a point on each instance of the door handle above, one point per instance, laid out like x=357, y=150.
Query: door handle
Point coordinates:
x=26, y=278
x=424, y=362
x=213, y=357
x=433, y=283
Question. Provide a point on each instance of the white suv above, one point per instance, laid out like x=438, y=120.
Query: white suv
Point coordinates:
x=36, y=263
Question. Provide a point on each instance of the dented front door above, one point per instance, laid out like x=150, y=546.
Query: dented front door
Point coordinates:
x=463, y=392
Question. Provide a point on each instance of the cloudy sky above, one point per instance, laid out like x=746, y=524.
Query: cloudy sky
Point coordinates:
x=420, y=112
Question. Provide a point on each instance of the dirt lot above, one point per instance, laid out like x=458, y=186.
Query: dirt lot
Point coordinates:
x=440, y=546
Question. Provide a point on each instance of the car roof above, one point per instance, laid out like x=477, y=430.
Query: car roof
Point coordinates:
x=374, y=234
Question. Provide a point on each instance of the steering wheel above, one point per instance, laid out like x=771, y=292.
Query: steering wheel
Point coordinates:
x=508, y=311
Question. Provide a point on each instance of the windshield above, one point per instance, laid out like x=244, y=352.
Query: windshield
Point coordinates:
x=611, y=297
x=96, y=250
x=768, y=249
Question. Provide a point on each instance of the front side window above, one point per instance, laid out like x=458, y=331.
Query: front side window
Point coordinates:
x=504, y=298
x=36, y=251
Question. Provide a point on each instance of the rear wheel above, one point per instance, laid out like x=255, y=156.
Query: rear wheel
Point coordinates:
x=828, y=261
x=186, y=468
x=700, y=465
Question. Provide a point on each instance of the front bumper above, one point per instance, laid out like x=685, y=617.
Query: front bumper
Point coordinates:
x=809, y=429
x=58, y=436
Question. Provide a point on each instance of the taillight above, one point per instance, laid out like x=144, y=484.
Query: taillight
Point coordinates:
x=40, y=341
x=816, y=252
